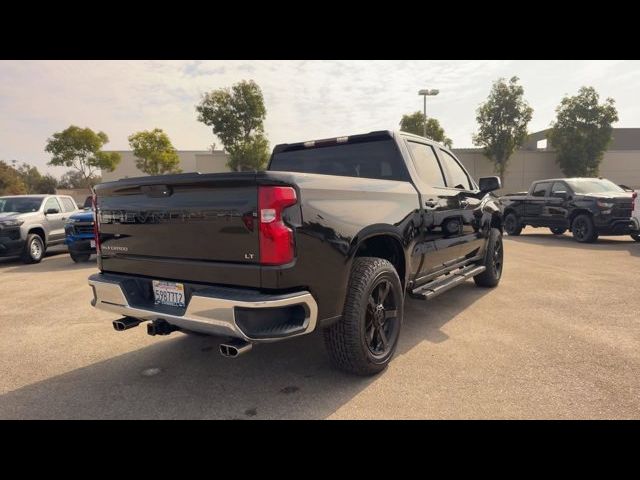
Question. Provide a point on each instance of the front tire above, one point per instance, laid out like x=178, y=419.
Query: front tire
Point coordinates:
x=493, y=261
x=512, y=225
x=33, y=249
x=636, y=236
x=557, y=230
x=364, y=340
x=583, y=229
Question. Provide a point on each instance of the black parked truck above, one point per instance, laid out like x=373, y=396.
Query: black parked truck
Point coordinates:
x=328, y=239
x=588, y=207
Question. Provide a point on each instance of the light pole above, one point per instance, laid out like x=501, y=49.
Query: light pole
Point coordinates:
x=427, y=93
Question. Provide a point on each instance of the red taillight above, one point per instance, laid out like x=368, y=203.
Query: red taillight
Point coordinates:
x=276, y=239
x=96, y=223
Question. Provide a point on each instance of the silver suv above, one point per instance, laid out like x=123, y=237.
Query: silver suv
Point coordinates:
x=31, y=223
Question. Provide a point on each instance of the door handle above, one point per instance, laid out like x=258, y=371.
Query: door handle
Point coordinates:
x=431, y=204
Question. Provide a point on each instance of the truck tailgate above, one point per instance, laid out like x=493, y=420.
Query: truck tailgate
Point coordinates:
x=186, y=227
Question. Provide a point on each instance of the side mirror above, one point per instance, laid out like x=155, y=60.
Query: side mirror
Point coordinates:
x=489, y=184
x=560, y=194
x=51, y=211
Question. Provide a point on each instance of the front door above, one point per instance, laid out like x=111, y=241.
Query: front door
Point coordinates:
x=468, y=204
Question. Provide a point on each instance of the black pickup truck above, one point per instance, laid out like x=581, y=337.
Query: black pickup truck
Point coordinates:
x=329, y=238
x=588, y=207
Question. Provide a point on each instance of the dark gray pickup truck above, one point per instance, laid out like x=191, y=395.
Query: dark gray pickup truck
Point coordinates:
x=328, y=239
x=588, y=207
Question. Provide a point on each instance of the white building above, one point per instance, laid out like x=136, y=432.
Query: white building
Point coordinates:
x=203, y=161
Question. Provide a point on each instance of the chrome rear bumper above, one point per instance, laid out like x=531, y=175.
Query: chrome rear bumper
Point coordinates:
x=208, y=311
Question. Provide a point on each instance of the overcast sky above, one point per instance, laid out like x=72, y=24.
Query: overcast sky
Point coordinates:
x=304, y=99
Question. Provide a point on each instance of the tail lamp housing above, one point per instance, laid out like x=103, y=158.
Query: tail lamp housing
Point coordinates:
x=276, y=238
x=96, y=222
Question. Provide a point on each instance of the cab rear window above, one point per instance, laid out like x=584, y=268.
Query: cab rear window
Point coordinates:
x=379, y=159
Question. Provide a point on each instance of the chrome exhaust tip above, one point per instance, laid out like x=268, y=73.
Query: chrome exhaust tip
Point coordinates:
x=235, y=348
x=125, y=323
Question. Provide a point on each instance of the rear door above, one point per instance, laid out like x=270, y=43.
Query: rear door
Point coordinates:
x=557, y=204
x=68, y=204
x=54, y=221
x=535, y=204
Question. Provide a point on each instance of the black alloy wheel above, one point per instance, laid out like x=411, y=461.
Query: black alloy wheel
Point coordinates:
x=381, y=319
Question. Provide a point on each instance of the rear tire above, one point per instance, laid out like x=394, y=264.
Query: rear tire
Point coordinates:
x=493, y=261
x=512, y=225
x=583, y=229
x=33, y=249
x=364, y=340
x=80, y=257
x=557, y=230
x=636, y=236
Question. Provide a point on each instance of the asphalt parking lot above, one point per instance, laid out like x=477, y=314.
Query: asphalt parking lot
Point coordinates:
x=559, y=338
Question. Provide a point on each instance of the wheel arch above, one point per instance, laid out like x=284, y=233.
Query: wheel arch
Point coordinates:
x=575, y=213
x=381, y=242
x=40, y=232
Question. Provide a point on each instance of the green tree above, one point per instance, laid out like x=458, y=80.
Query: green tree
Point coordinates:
x=35, y=182
x=502, y=122
x=48, y=184
x=74, y=179
x=236, y=116
x=10, y=181
x=415, y=122
x=30, y=176
x=81, y=149
x=582, y=131
x=154, y=152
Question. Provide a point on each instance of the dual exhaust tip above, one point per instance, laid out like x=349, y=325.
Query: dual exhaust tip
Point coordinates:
x=125, y=323
x=235, y=348
x=231, y=349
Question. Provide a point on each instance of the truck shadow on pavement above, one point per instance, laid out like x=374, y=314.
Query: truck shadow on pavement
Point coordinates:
x=623, y=243
x=55, y=261
x=184, y=376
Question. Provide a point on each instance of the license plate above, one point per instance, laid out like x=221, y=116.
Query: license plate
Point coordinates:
x=168, y=293
x=92, y=243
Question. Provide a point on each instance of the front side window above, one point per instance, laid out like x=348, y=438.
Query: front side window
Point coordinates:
x=426, y=163
x=52, y=203
x=456, y=176
x=540, y=190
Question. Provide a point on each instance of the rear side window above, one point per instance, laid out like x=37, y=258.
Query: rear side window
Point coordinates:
x=426, y=162
x=540, y=190
x=52, y=203
x=456, y=176
x=375, y=159
x=68, y=204
x=558, y=189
